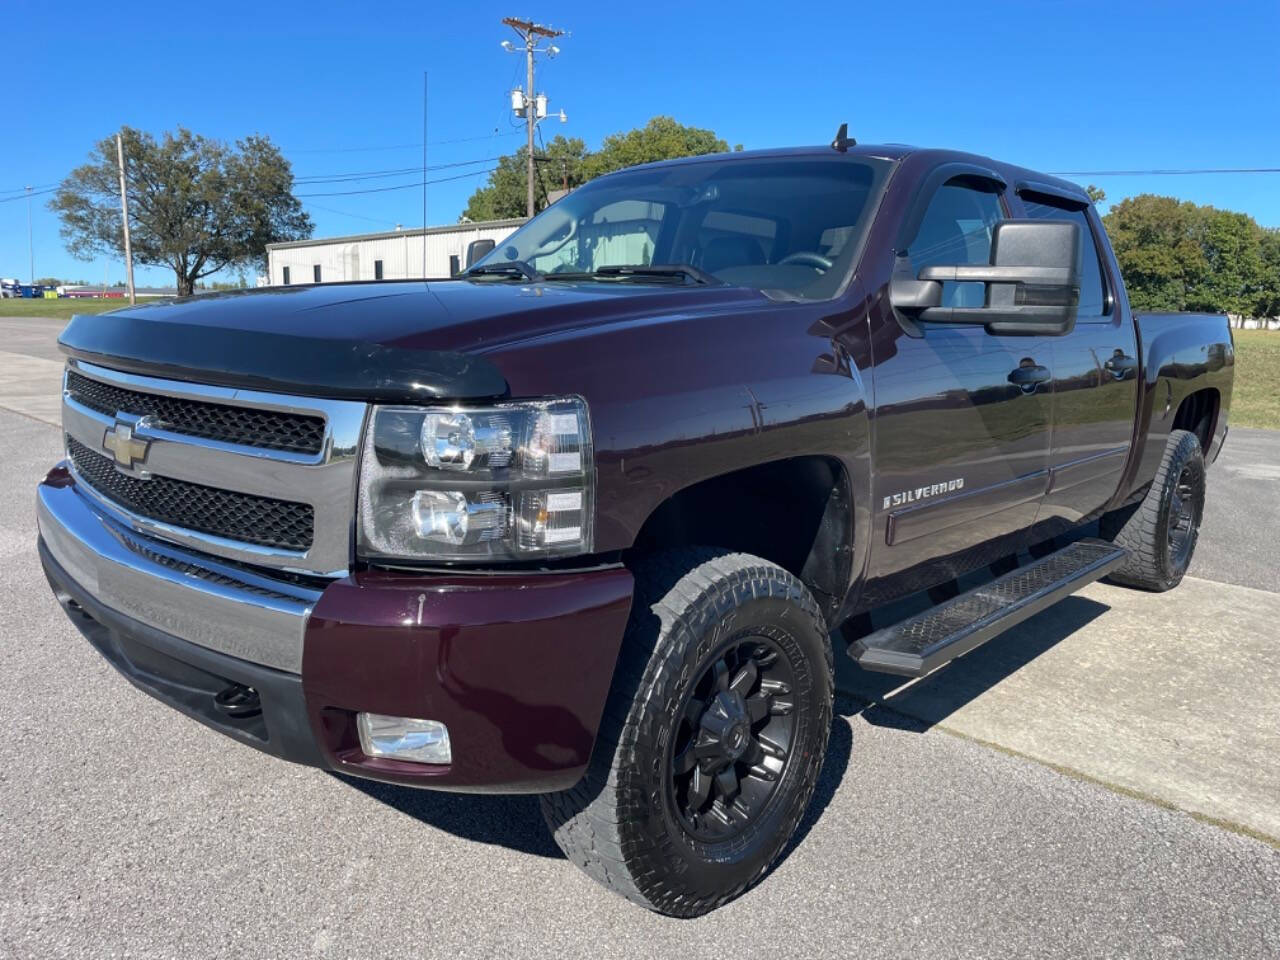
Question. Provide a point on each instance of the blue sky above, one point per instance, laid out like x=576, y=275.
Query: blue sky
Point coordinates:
x=1055, y=86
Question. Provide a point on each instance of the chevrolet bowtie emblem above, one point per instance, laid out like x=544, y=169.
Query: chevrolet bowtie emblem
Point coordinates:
x=124, y=446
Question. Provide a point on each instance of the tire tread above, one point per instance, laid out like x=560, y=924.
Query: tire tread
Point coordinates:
x=686, y=589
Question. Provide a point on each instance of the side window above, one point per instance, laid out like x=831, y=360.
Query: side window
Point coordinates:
x=286, y=276
x=1092, y=294
x=956, y=230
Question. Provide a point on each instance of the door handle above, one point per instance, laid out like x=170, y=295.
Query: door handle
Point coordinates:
x=1029, y=377
x=1120, y=366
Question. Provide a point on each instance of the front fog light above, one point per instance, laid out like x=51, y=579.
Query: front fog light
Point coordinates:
x=404, y=738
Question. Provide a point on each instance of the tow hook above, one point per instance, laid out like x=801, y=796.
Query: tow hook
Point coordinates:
x=238, y=701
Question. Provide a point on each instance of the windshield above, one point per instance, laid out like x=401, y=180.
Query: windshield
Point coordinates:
x=790, y=226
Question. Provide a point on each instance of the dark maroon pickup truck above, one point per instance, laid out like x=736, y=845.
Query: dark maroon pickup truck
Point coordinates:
x=584, y=521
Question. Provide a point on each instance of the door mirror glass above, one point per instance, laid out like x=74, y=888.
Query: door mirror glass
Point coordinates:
x=477, y=249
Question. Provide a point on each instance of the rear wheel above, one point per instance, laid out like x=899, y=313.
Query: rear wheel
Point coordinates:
x=1162, y=531
x=713, y=736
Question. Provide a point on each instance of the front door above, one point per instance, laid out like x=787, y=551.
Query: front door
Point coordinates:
x=1095, y=382
x=961, y=429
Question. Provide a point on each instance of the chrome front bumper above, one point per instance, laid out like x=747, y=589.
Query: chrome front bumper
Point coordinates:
x=191, y=596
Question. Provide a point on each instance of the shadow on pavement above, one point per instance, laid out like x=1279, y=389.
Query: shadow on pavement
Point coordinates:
x=513, y=822
x=516, y=823
x=883, y=699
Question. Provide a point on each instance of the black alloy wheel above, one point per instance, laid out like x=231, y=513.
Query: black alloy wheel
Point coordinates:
x=1184, y=518
x=734, y=739
x=712, y=737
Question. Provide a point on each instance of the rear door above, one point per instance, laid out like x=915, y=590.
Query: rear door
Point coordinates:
x=1095, y=378
x=962, y=418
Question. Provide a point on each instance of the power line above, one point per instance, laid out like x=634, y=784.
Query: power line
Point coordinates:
x=402, y=186
x=33, y=193
x=1161, y=173
x=401, y=146
x=23, y=190
x=346, y=213
x=393, y=172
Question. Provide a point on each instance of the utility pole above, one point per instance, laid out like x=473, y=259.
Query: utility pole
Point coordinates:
x=530, y=105
x=31, y=252
x=424, y=176
x=124, y=212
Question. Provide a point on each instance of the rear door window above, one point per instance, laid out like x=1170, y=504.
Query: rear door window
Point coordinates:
x=1093, y=301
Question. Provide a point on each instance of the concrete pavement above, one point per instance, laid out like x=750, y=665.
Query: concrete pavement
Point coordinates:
x=1173, y=696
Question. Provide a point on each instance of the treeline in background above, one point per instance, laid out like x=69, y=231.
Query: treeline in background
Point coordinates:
x=1176, y=255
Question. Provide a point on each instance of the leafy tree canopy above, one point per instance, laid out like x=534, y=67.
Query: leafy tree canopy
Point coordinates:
x=504, y=196
x=1175, y=255
x=195, y=205
x=662, y=138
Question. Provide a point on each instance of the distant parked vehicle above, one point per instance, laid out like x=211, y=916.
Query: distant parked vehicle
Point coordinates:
x=9, y=288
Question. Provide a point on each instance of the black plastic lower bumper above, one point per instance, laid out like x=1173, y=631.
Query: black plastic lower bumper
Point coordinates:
x=188, y=677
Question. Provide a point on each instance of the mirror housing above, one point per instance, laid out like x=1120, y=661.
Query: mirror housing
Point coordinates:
x=1032, y=282
x=477, y=249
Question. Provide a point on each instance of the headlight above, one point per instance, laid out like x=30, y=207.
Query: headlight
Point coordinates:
x=510, y=481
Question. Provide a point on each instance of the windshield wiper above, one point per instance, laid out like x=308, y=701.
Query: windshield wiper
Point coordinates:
x=693, y=273
x=505, y=267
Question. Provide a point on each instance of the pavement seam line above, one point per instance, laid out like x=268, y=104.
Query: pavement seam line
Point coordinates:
x=27, y=416
x=1229, y=825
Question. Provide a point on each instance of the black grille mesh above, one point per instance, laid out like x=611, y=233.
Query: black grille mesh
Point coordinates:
x=223, y=513
x=269, y=429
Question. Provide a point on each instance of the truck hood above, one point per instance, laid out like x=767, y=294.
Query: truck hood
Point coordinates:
x=388, y=341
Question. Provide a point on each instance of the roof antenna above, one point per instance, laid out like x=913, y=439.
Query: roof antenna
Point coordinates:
x=843, y=141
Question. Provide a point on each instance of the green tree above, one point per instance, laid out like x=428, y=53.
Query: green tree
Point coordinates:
x=1232, y=247
x=1157, y=245
x=1179, y=256
x=1096, y=194
x=1267, y=301
x=662, y=138
x=195, y=205
x=503, y=197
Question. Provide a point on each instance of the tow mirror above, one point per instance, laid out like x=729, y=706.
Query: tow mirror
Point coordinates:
x=477, y=249
x=1032, y=282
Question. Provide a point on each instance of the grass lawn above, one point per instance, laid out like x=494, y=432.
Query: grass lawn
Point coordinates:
x=60, y=309
x=1255, y=400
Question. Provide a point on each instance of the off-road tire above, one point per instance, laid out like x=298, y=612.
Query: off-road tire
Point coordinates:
x=1153, y=563
x=620, y=824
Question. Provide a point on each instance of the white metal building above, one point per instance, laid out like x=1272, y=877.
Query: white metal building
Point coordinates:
x=396, y=255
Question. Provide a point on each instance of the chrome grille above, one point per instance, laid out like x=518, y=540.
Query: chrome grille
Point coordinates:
x=247, y=426
x=238, y=474
x=222, y=513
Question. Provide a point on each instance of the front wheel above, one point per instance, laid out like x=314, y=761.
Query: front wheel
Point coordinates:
x=1162, y=531
x=713, y=735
